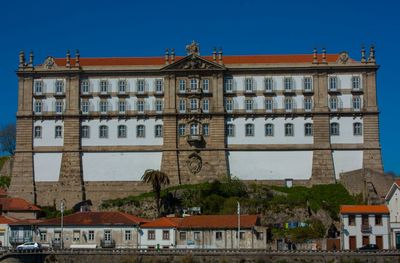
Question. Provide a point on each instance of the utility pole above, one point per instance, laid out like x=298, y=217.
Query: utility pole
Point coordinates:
x=62, y=224
x=238, y=235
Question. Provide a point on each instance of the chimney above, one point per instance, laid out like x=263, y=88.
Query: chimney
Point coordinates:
x=166, y=56
x=371, y=58
x=77, y=56
x=315, y=58
x=172, y=55
x=363, y=59
x=30, y=59
x=324, y=56
x=68, y=59
x=215, y=54
x=220, y=56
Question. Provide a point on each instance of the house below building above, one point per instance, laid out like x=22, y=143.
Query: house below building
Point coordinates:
x=18, y=208
x=393, y=203
x=363, y=225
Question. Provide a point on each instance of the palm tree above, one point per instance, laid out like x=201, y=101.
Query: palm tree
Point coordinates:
x=157, y=179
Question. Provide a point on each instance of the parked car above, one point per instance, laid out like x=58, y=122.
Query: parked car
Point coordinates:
x=29, y=246
x=369, y=247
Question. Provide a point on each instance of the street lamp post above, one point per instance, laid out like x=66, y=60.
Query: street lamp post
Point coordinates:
x=238, y=235
x=62, y=224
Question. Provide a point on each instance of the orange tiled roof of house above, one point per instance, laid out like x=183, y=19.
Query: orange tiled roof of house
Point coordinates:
x=7, y=220
x=364, y=209
x=218, y=221
x=397, y=182
x=95, y=218
x=239, y=59
x=17, y=204
x=164, y=222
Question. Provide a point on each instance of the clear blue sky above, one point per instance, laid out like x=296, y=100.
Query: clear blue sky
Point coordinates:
x=146, y=28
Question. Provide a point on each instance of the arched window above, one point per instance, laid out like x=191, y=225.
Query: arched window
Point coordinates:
x=289, y=104
x=38, y=106
x=38, y=132
x=140, y=131
x=103, y=132
x=58, y=132
x=335, y=129
x=249, y=129
x=289, y=129
x=356, y=103
x=308, y=129
x=357, y=129
x=194, y=129
x=333, y=103
x=85, y=131
x=230, y=130
x=122, y=86
x=269, y=129
x=181, y=129
x=158, y=131
x=122, y=131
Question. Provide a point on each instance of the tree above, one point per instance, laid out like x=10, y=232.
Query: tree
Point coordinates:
x=7, y=138
x=157, y=179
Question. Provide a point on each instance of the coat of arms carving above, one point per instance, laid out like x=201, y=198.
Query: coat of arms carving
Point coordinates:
x=194, y=163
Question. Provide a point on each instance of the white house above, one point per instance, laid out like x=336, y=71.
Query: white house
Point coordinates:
x=363, y=225
x=393, y=203
x=160, y=233
x=5, y=230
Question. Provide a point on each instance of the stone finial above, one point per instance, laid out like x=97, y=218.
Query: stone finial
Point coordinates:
x=193, y=48
x=30, y=64
x=172, y=55
x=363, y=59
x=166, y=56
x=215, y=54
x=315, y=58
x=21, y=59
x=371, y=58
x=220, y=56
x=324, y=56
x=68, y=59
x=77, y=56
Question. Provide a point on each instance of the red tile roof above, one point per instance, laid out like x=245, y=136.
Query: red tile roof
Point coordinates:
x=17, y=205
x=364, y=209
x=159, y=61
x=95, y=218
x=397, y=182
x=218, y=221
x=7, y=220
x=164, y=222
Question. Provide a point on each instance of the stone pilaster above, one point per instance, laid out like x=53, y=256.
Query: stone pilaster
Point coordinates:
x=372, y=158
x=71, y=185
x=322, y=168
x=22, y=180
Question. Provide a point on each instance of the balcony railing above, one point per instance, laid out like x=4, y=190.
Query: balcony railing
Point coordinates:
x=107, y=243
x=195, y=138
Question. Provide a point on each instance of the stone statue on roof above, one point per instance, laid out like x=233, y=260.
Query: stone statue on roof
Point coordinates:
x=193, y=48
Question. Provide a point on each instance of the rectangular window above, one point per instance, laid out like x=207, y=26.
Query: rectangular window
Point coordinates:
x=122, y=84
x=38, y=132
x=357, y=129
x=159, y=86
x=38, y=87
x=307, y=84
x=355, y=83
x=206, y=129
x=308, y=129
x=248, y=84
x=158, y=131
x=85, y=86
x=242, y=235
x=103, y=106
x=85, y=132
x=229, y=105
x=378, y=220
x=333, y=103
x=248, y=105
x=249, y=129
x=91, y=235
x=308, y=104
x=365, y=220
x=356, y=103
x=289, y=129
x=182, y=86
x=151, y=234
x=193, y=104
x=38, y=107
x=85, y=106
x=165, y=234
x=269, y=104
x=103, y=132
x=140, y=106
x=228, y=85
x=194, y=84
x=159, y=106
x=107, y=235
x=260, y=235
x=196, y=235
x=333, y=83
x=218, y=235
x=59, y=87
x=43, y=236
x=121, y=131
x=57, y=236
x=128, y=234
x=182, y=105
x=289, y=104
x=352, y=220
x=103, y=86
x=76, y=235
x=59, y=106
x=269, y=84
x=182, y=235
x=205, y=105
x=269, y=129
x=230, y=130
x=288, y=84
x=140, y=85
x=121, y=106
x=206, y=85
x=181, y=129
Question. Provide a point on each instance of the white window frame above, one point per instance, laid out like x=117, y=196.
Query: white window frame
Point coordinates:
x=288, y=85
x=128, y=235
x=159, y=106
x=103, y=132
x=59, y=106
x=158, y=131
x=159, y=86
x=206, y=85
x=91, y=235
x=229, y=105
x=59, y=87
x=181, y=129
x=308, y=129
x=85, y=86
x=269, y=129
x=85, y=106
x=206, y=105
x=333, y=103
x=141, y=86
x=58, y=132
x=122, y=86
x=334, y=129
x=103, y=87
x=289, y=104
x=182, y=105
x=307, y=84
x=357, y=103
x=205, y=129
x=194, y=129
x=249, y=104
x=333, y=83
x=228, y=85
x=38, y=107
x=356, y=83
x=249, y=130
x=357, y=131
x=140, y=131
x=85, y=132
x=194, y=104
x=269, y=84
x=37, y=132
x=103, y=106
x=289, y=129
x=140, y=106
x=122, y=131
x=230, y=130
x=194, y=85
x=249, y=85
x=38, y=87
x=269, y=104
x=182, y=86
x=308, y=104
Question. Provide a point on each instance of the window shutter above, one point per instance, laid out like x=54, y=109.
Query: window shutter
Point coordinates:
x=127, y=106
x=340, y=103
x=146, y=105
x=91, y=106
x=146, y=85
x=254, y=104
x=235, y=104
x=90, y=86
x=128, y=86
x=274, y=103
x=294, y=104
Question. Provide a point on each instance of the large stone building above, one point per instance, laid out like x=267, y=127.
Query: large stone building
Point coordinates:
x=87, y=128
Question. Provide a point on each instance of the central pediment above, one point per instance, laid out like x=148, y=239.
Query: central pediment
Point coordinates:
x=193, y=62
